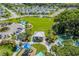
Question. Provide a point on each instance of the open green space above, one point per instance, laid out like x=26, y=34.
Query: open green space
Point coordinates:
x=40, y=48
x=6, y=50
x=39, y=24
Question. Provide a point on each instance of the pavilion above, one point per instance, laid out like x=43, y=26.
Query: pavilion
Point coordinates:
x=38, y=36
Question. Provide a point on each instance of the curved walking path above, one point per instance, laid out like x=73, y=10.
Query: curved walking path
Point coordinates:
x=57, y=12
x=30, y=27
x=14, y=15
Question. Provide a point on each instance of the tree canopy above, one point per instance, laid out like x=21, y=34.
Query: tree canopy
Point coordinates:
x=67, y=23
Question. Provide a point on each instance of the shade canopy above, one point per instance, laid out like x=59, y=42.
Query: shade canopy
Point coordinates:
x=40, y=54
x=26, y=46
x=17, y=48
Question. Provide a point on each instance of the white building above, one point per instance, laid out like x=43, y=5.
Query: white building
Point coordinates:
x=39, y=36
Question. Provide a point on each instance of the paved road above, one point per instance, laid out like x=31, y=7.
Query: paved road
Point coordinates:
x=13, y=14
x=57, y=12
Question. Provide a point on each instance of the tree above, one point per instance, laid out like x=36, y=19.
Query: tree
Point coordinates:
x=67, y=24
x=51, y=37
x=67, y=50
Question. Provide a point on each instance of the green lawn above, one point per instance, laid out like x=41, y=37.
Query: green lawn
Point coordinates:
x=39, y=24
x=40, y=48
x=6, y=50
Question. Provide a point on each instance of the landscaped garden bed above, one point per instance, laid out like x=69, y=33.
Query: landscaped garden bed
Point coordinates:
x=4, y=29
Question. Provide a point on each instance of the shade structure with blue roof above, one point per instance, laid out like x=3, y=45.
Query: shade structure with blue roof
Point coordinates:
x=17, y=48
x=77, y=43
x=40, y=54
x=26, y=46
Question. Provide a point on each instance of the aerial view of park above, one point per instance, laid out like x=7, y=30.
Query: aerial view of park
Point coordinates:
x=43, y=29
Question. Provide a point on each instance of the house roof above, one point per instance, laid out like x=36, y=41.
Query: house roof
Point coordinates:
x=39, y=34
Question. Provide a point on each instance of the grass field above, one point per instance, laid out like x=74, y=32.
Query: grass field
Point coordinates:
x=6, y=50
x=39, y=24
x=40, y=48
